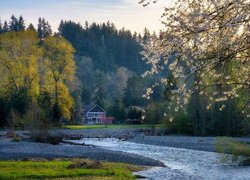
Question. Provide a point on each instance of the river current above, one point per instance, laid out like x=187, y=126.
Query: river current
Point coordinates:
x=180, y=163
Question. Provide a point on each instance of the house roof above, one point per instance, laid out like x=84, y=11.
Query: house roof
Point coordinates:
x=94, y=108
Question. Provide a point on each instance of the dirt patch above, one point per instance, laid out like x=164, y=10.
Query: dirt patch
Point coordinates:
x=86, y=165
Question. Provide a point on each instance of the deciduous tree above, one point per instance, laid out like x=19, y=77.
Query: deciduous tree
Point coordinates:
x=60, y=72
x=206, y=47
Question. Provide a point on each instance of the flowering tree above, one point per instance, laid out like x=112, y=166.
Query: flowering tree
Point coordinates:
x=206, y=47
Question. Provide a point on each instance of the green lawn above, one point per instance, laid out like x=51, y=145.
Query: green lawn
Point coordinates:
x=113, y=126
x=65, y=169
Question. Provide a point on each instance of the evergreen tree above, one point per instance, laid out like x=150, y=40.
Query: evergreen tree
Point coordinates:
x=86, y=95
x=5, y=27
x=117, y=111
x=1, y=26
x=134, y=114
x=13, y=23
x=134, y=91
x=108, y=47
x=100, y=97
x=146, y=35
x=86, y=25
x=31, y=27
x=43, y=28
x=16, y=24
x=21, y=24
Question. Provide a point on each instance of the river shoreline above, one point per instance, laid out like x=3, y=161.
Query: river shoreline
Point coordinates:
x=28, y=149
x=200, y=143
x=25, y=149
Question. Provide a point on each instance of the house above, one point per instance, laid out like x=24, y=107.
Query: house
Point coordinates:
x=94, y=114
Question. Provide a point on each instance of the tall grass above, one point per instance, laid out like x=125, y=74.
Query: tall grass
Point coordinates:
x=233, y=150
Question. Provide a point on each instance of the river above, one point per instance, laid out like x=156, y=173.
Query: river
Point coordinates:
x=180, y=163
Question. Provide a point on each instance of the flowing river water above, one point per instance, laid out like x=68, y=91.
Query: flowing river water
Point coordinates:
x=180, y=163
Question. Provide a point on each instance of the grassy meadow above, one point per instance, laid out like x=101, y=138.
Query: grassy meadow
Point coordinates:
x=66, y=169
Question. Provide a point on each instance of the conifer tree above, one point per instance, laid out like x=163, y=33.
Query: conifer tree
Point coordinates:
x=5, y=27
x=31, y=27
x=13, y=23
x=1, y=26
x=43, y=28
x=20, y=24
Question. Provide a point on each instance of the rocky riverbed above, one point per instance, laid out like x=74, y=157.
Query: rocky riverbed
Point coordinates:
x=26, y=148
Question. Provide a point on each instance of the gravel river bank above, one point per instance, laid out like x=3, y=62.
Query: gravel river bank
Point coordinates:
x=26, y=148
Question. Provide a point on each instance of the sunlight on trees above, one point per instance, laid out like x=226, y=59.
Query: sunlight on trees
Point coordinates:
x=29, y=70
x=206, y=47
x=61, y=70
x=19, y=57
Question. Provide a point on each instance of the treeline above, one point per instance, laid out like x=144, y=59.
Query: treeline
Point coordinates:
x=108, y=68
x=108, y=47
x=109, y=63
x=37, y=73
x=45, y=79
x=18, y=24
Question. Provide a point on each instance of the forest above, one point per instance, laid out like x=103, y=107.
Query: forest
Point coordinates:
x=47, y=78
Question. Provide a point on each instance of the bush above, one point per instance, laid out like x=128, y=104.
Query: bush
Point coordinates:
x=182, y=124
x=233, y=150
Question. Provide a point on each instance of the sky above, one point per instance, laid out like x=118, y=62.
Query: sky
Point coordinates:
x=123, y=13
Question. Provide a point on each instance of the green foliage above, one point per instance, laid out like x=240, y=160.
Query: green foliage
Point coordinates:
x=86, y=95
x=134, y=91
x=19, y=100
x=208, y=65
x=32, y=77
x=232, y=148
x=3, y=113
x=44, y=29
x=61, y=70
x=117, y=111
x=65, y=169
x=106, y=57
x=108, y=46
x=31, y=27
x=152, y=114
x=44, y=100
x=133, y=113
x=156, y=113
x=181, y=124
x=17, y=24
x=214, y=121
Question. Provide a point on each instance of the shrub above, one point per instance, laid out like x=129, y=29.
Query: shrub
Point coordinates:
x=233, y=150
x=181, y=124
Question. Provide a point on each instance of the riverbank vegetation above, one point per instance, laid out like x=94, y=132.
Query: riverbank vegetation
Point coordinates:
x=65, y=169
x=233, y=150
x=114, y=126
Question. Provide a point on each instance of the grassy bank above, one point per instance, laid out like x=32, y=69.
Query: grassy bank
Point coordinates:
x=65, y=169
x=233, y=149
x=113, y=126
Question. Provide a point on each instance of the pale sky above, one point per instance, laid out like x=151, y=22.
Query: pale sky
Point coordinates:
x=123, y=13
